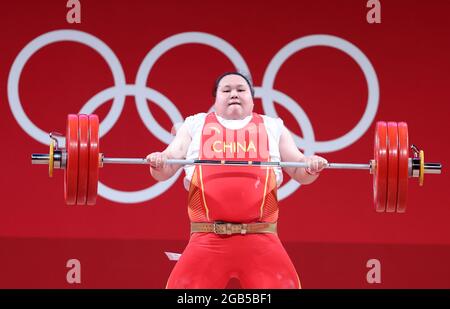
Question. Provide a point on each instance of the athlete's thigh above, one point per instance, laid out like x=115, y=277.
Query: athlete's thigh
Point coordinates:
x=269, y=266
x=201, y=265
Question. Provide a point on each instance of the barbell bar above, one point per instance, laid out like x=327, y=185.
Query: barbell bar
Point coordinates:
x=391, y=167
x=351, y=166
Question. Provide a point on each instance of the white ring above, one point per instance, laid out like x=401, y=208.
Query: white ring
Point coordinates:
x=41, y=41
x=357, y=55
x=131, y=197
x=166, y=45
x=128, y=197
x=133, y=90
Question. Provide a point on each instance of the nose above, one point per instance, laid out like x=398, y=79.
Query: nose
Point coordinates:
x=234, y=93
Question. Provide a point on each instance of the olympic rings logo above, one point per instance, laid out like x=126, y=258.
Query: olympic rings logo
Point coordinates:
x=141, y=92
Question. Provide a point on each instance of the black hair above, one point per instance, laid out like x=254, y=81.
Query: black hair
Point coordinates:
x=245, y=76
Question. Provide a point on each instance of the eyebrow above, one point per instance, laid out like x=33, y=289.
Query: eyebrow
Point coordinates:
x=239, y=85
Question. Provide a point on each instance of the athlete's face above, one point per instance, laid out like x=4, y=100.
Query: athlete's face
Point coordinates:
x=233, y=98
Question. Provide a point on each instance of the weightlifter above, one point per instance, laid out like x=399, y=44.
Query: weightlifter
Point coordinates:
x=234, y=209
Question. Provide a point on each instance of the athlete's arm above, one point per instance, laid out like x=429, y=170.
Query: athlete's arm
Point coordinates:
x=290, y=153
x=177, y=149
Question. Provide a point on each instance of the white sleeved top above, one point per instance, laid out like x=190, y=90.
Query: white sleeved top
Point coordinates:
x=194, y=123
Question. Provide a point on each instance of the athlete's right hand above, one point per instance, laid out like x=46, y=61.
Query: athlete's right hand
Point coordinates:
x=157, y=160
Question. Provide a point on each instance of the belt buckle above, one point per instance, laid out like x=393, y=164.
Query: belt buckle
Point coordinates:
x=215, y=227
x=244, y=228
x=228, y=228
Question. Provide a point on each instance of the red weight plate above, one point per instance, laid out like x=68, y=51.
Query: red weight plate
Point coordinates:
x=392, y=186
x=83, y=158
x=380, y=173
x=403, y=166
x=93, y=159
x=71, y=170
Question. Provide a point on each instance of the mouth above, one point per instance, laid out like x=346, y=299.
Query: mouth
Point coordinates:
x=234, y=103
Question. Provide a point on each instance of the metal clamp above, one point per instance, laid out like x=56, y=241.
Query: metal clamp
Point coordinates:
x=415, y=150
x=53, y=136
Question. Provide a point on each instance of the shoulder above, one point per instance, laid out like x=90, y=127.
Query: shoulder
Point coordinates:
x=195, y=118
x=195, y=122
x=274, y=122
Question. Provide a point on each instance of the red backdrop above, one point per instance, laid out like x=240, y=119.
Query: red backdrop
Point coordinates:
x=329, y=228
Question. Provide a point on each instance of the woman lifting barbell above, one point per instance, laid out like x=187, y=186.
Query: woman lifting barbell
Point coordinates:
x=234, y=210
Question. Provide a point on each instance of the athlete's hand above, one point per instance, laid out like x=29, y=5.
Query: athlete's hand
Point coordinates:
x=315, y=164
x=157, y=160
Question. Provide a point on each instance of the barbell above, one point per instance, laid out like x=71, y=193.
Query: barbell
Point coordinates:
x=391, y=167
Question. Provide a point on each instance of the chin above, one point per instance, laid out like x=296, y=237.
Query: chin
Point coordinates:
x=235, y=114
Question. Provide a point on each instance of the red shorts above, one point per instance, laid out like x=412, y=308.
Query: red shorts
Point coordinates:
x=257, y=260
